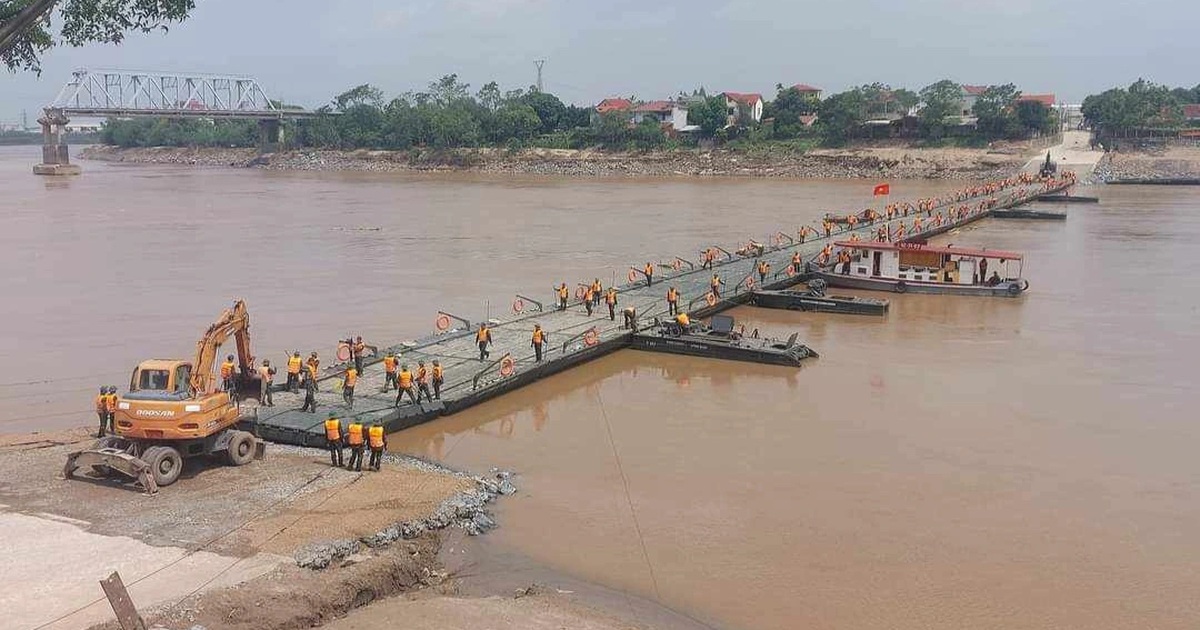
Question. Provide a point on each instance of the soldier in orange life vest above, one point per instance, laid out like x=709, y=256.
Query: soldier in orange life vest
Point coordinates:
x=564, y=294
x=376, y=441
x=597, y=289
x=404, y=385
x=266, y=376
x=672, y=301
x=438, y=378
x=423, y=382
x=354, y=437
x=828, y=227
x=312, y=366
x=227, y=371
x=389, y=370
x=714, y=285
x=610, y=299
x=588, y=299
x=764, y=268
x=357, y=350
x=797, y=264
x=334, y=440
x=649, y=271
x=484, y=339
x=351, y=379
x=708, y=257
x=802, y=232
x=102, y=409
x=844, y=258
x=111, y=405
x=294, y=365
x=310, y=392
x=536, y=341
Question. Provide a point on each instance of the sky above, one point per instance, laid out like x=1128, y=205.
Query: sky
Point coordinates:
x=306, y=51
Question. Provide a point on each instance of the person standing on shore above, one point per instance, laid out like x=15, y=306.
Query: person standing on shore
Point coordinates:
x=333, y=440
x=354, y=437
x=377, y=442
x=294, y=365
x=610, y=299
x=266, y=378
x=102, y=409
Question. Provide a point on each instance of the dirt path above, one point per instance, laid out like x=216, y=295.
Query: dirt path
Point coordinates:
x=216, y=527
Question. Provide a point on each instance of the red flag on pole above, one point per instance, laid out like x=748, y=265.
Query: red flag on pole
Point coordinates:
x=882, y=190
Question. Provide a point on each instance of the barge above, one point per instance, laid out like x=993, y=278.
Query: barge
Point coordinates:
x=720, y=340
x=918, y=268
x=815, y=300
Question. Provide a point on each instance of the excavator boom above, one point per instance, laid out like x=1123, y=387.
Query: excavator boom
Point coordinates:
x=235, y=322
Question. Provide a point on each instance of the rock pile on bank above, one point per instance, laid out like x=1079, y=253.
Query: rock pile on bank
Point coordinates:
x=915, y=164
x=1176, y=165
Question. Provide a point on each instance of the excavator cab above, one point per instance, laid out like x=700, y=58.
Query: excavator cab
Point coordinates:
x=159, y=379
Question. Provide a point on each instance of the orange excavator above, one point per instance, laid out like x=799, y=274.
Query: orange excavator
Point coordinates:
x=175, y=410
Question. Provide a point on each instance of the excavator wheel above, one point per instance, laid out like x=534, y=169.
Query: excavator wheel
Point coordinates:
x=241, y=449
x=165, y=464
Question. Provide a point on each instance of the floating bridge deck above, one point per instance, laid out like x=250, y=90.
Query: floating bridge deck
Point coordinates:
x=468, y=381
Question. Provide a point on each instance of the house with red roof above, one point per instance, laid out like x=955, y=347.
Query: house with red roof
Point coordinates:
x=664, y=112
x=970, y=94
x=739, y=104
x=808, y=91
x=1191, y=111
x=1045, y=99
x=610, y=105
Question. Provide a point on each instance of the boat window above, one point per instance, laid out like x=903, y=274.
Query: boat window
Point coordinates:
x=155, y=380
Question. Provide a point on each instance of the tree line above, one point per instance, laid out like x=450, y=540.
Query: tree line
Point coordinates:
x=1142, y=105
x=447, y=114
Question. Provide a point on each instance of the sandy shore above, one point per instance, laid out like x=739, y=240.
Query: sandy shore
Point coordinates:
x=865, y=162
x=1159, y=164
x=224, y=547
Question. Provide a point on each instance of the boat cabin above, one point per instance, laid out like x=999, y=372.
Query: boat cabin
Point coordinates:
x=914, y=262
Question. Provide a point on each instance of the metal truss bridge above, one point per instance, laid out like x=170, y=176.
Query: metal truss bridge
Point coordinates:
x=125, y=93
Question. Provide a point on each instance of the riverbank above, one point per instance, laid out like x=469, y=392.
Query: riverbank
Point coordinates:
x=284, y=541
x=1163, y=164
x=769, y=161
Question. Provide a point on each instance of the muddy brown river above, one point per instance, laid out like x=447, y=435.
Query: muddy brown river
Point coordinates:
x=961, y=463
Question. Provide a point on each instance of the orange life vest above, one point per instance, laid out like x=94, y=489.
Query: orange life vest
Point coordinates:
x=538, y=335
x=294, y=365
x=355, y=435
x=101, y=403
x=375, y=437
x=227, y=369
x=672, y=295
x=333, y=429
x=437, y=373
x=610, y=298
x=422, y=375
x=351, y=377
x=483, y=335
x=111, y=405
x=405, y=379
x=389, y=364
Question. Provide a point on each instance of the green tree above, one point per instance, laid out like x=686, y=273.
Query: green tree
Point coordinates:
x=941, y=101
x=841, y=115
x=648, y=134
x=995, y=112
x=25, y=24
x=1035, y=117
x=448, y=90
x=514, y=121
x=489, y=96
x=549, y=109
x=575, y=117
x=365, y=94
x=787, y=108
x=709, y=114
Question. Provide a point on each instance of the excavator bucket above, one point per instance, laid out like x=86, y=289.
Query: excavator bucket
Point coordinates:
x=108, y=458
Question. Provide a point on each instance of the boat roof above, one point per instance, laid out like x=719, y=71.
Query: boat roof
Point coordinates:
x=917, y=247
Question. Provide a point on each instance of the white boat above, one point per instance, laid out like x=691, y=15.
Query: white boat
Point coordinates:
x=917, y=268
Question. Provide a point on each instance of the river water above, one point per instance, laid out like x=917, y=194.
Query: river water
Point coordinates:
x=963, y=463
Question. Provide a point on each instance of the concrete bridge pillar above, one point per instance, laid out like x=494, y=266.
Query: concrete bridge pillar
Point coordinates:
x=56, y=157
x=270, y=135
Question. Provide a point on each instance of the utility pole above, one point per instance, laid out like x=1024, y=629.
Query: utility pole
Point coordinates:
x=539, y=63
x=24, y=120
